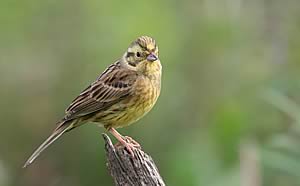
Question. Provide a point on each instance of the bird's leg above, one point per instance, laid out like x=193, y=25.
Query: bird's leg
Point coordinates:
x=123, y=140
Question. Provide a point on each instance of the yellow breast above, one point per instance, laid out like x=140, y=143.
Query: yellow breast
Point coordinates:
x=144, y=95
x=138, y=105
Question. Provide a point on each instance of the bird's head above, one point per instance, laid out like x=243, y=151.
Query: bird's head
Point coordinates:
x=142, y=54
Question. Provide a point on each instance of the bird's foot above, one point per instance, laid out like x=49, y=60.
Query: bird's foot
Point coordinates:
x=126, y=141
x=128, y=145
x=132, y=141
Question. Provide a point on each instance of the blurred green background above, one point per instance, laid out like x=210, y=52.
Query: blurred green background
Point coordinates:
x=228, y=114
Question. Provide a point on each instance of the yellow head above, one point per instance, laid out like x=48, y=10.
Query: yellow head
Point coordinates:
x=142, y=55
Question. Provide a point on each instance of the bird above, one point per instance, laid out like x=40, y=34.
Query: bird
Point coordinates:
x=122, y=94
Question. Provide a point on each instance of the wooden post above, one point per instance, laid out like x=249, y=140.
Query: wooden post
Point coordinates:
x=127, y=170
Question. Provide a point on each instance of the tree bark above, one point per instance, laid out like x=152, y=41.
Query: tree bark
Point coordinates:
x=127, y=170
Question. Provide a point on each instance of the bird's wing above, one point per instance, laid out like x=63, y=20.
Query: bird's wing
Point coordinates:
x=113, y=85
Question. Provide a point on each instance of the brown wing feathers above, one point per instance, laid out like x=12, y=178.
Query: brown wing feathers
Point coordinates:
x=105, y=91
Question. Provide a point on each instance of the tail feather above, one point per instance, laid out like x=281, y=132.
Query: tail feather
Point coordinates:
x=60, y=130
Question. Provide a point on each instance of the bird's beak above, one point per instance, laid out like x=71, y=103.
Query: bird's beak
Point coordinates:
x=152, y=57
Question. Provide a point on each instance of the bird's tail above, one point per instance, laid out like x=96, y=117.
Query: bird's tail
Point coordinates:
x=63, y=127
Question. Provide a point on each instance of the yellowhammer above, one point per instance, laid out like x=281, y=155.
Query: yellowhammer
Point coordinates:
x=121, y=95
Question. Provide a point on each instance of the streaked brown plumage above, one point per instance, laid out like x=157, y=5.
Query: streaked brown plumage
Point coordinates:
x=121, y=95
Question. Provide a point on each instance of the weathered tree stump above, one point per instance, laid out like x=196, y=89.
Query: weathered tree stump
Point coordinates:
x=127, y=170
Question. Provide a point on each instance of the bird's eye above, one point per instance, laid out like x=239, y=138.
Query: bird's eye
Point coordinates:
x=138, y=54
